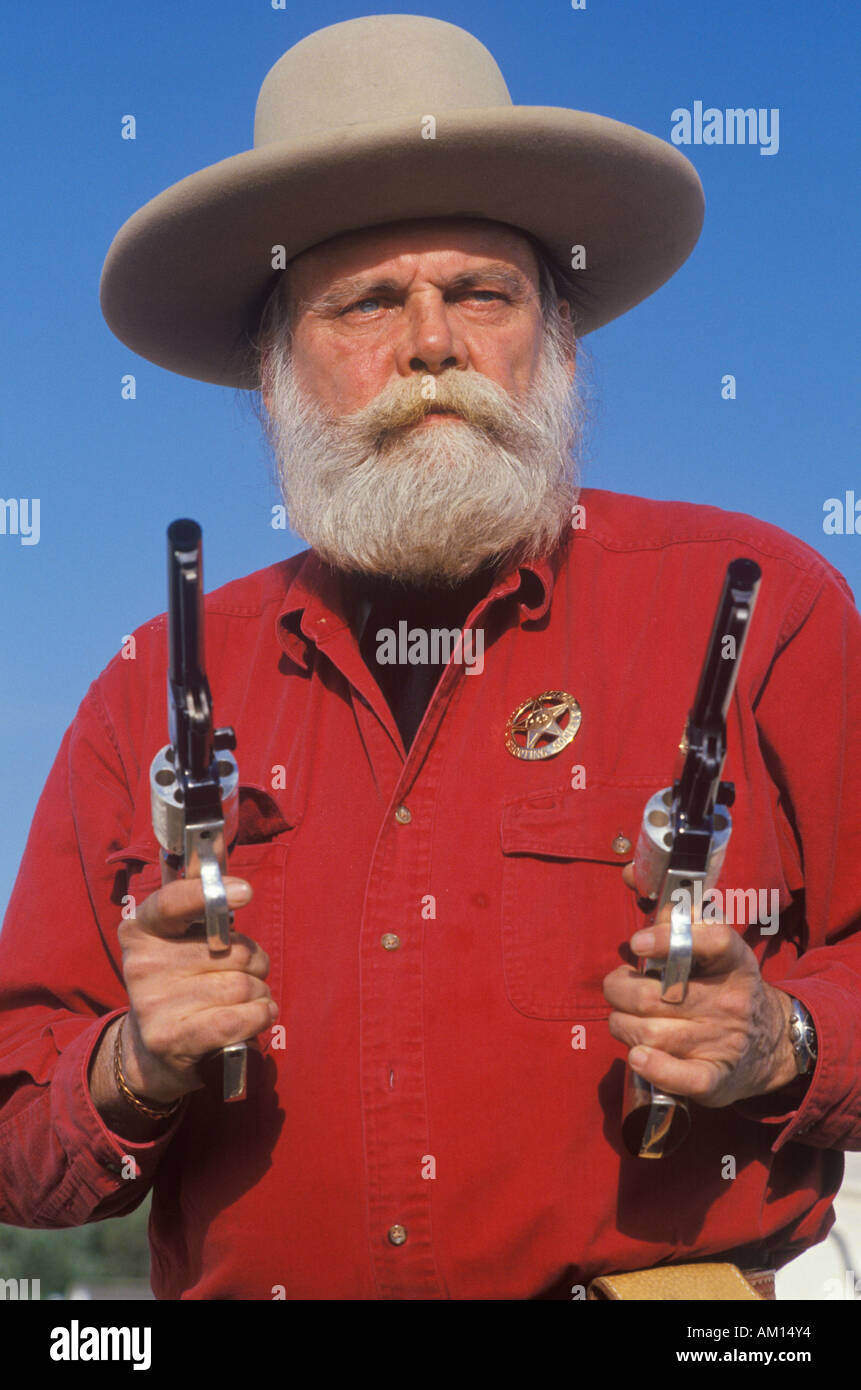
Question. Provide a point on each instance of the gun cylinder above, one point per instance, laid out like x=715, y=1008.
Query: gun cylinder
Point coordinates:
x=652, y=855
x=169, y=812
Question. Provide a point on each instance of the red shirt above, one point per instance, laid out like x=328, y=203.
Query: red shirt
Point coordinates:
x=435, y=1084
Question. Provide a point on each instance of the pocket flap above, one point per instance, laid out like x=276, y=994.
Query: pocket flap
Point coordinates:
x=137, y=854
x=597, y=823
x=260, y=820
x=260, y=817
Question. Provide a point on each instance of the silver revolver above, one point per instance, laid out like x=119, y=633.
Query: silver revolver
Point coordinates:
x=683, y=840
x=194, y=779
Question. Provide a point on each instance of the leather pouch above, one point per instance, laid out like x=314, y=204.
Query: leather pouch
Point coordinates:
x=704, y=1282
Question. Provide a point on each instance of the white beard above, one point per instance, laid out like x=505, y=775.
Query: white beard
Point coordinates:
x=430, y=505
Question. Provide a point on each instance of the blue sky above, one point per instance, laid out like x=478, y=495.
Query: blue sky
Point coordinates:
x=769, y=295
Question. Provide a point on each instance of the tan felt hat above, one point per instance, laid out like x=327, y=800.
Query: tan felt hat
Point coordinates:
x=342, y=142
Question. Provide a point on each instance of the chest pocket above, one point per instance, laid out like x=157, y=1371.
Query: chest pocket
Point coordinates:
x=566, y=914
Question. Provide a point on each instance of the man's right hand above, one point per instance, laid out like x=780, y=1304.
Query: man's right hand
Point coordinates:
x=184, y=1002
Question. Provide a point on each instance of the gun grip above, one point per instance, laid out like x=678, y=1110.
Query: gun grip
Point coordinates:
x=653, y=1123
x=235, y=1072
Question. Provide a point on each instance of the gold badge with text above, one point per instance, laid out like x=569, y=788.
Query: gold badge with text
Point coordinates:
x=543, y=726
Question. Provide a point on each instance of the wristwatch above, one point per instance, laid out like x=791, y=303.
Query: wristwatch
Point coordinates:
x=802, y=1035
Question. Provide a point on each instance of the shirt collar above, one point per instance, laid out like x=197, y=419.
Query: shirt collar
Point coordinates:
x=315, y=606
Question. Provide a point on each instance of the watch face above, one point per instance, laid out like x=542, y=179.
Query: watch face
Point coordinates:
x=802, y=1035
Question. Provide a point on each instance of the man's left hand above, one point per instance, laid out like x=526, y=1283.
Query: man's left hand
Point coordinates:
x=728, y=1041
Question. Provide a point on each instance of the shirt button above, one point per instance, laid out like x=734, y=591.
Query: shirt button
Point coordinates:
x=397, y=1234
x=621, y=844
x=389, y=941
x=403, y=815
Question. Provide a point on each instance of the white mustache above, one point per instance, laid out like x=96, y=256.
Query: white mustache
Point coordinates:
x=478, y=401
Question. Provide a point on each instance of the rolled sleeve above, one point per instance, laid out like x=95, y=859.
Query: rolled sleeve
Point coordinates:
x=815, y=759
x=61, y=987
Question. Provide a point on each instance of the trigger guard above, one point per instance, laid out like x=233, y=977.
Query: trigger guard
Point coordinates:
x=677, y=971
x=215, y=902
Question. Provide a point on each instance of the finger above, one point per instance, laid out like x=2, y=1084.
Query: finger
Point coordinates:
x=717, y=949
x=171, y=909
x=632, y=993
x=223, y=1026
x=232, y=987
x=695, y=1078
x=640, y=995
x=674, y=1039
x=193, y=996
x=630, y=882
x=628, y=877
x=687, y=1039
x=146, y=955
x=180, y=1042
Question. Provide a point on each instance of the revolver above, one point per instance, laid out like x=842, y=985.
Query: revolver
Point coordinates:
x=683, y=841
x=194, y=779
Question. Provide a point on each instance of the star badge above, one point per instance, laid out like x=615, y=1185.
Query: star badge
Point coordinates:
x=543, y=726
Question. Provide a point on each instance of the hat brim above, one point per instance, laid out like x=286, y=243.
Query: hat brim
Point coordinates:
x=186, y=277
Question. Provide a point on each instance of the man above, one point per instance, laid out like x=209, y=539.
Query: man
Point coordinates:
x=434, y=935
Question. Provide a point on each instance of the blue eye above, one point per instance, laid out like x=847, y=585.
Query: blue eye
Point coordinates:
x=360, y=302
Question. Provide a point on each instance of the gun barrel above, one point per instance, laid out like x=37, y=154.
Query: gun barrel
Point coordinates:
x=189, y=697
x=706, y=726
x=732, y=620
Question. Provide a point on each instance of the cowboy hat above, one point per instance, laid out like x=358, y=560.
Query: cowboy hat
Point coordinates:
x=383, y=119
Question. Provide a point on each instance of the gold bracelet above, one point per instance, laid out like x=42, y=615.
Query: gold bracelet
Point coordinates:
x=153, y=1111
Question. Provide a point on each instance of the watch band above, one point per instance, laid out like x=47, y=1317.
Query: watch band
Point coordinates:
x=802, y=1035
